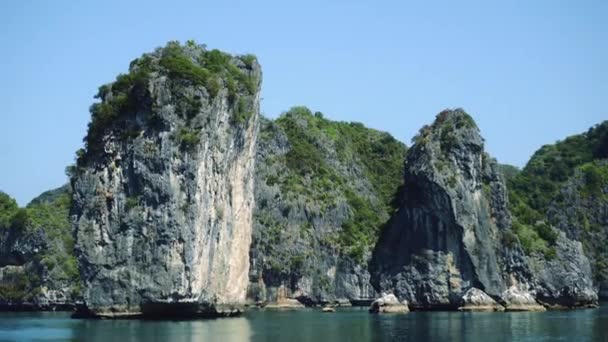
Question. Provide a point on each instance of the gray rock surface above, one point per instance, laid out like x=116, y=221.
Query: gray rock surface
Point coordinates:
x=36, y=262
x=18, y=246
x=300, y=216
x=20, y=269
x=283, y=302
x=453, y=232
x=388, y=303
x=583, y=216
x=564, y=187
x=163, y=216
x=328, y=309
x=565, y=280
x=476, y=300
x=446, y=237
x=517, y=298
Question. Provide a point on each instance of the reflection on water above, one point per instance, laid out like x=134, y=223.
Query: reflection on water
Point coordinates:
x=59, y=327
x=229, y=330
x=311, y=325
x=581, y=325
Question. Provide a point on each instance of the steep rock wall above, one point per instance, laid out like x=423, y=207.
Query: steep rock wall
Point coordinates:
x=163, y=194
x=453, y=230
x=445, y=237
x=322, y=192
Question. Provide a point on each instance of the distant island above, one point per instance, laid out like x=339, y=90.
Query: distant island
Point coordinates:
x=186, y=202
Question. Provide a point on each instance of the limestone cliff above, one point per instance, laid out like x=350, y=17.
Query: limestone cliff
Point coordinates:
x=453, y=231
x=323, y=190
x=565, y=186
x=163, y=192
x=185, y=203
x=581, y=212
x=37, y=266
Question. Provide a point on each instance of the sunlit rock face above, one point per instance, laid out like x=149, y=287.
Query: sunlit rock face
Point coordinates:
x=453, y=230
x=445, y=238
x=163, y=195
x=322, y=190
x=476, y=300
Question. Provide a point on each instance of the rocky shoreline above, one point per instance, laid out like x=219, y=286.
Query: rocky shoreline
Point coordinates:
x=474, y=301
x=30, y=307
x=177, y=311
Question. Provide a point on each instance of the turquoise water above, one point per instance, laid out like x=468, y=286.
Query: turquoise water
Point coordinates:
x=350, y=324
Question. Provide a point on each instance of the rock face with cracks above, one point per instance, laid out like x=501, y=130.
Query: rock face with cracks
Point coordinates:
x=446, y=237
x=322, y=190
x=163, y=192
x=453, y=231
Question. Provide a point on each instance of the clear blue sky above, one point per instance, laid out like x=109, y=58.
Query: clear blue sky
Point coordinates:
x=530, y=72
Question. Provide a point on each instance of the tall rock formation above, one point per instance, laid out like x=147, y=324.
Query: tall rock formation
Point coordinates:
x=186, y=203
x=453, y=230
x=163, y=193
x=565, y=186
x=323, y=189
x=580, y=211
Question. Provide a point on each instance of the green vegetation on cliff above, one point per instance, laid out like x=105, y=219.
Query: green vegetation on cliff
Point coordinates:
x=188, y=64
x=595, y=176
x=323, y=159
x=509, y=171
x=52, y=216
x=46, y=216
x=311, y=136
x=550, y=183
x=447, y=129
x=541, y=179
x=8, y=210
